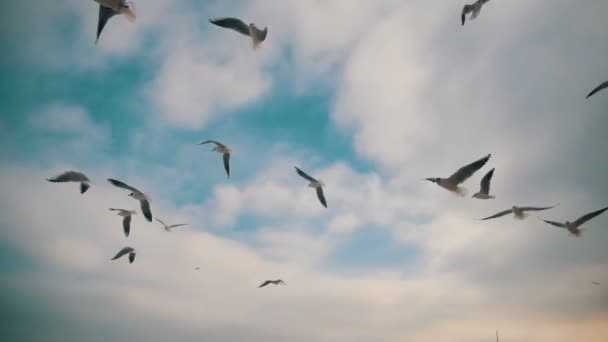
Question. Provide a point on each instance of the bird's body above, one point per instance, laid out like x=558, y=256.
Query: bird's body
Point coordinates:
x=169, y=227
x=575, y=227
x=474, y=9
x=226, y=152
x=257, y=35
x=452, y=183
x=275, y=282
x=127, y=250
x=110, y=8
x=316, y=184
x=126, y=221
x=598, y=88
x=518, y=212
x=484, y=191
x=73, y=176
x=143, y=199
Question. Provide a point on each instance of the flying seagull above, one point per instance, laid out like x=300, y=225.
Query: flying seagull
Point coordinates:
x=598, y=88
x=474, y=8
x=317, y=184
x=138, y=195
x=595, y=283
x=221, y=148
x=484, y=191
x=257, y=35
x=464, y=173
x=124, y=251
x=126, y=221
x=518, y=212
x=168, y=228
x=73, y=176
x=275, y=282
x=573, y=227
x=110, y=8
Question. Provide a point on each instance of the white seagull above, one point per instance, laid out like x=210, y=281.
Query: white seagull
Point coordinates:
x=317, y=184
x=598, y=88
x=168, y=228
x=473, y=8
x=124, y=251
x=518, y=212
x=126, y=221
x=484, y=191
x=574, y=227
x=275, y=282
x=221, y=148
x=138, y=195
x=73, y=176
x=451, y=183
x=257, y=35
x=110, y=8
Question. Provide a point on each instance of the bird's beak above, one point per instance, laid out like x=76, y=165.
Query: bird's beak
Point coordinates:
x=430, y=179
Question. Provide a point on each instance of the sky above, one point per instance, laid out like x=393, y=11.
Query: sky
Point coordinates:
x=369, y=96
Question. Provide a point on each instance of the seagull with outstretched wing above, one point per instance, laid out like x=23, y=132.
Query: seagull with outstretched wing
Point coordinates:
x=574, y=227
x=518, y=212
x=451, y=183
x=110, y=8
x=474, y=9
x=127, y=250
x=275, y=282
x=169, y=227
x=126, y=219
x=317, y=184
x=226, y=151
x=598, y=88
x=138, y=195
x=257, y=35
x=73, y=176
x=484, y=191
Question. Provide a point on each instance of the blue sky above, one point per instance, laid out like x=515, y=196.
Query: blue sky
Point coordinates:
x=371, y=97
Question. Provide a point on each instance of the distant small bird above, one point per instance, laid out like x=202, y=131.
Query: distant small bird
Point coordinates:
x=257, y=35
x=317, y=184
x=168, y=228
x=197, y=268
x=484, y=191
x=110, y=8
x=464, y=173
x=475, y=8
x=595, y=283
x=221, y=148
x=598, y=88
x=518, y=212
x=138, y=195
x=126, y=221
x=124, y=251
x=275, y=282
x=573, y=227
x=73, y=176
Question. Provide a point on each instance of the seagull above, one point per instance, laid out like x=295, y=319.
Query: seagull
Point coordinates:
x=275, y=282
x=573, y=227
x=221, y=148
x=126, y=221
x=484, y=191
x=475, y=8
x=110, y=8
x=595, y=283
x=257, y=35
x=598, y=88
x=168, y=228
x=73, y=176
x=317, y=184
x=138, y=195
x=464, y=173
x=518, y=212
x=197, y=268
x=124, y=251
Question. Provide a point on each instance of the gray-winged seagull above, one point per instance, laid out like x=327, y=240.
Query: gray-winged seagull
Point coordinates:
x=275, y=282
x=167, y=227
x=138, y=195
x=110, y=8
x=484, y=191
x=257, y=35
x=473, y=8
x=317, y=184
x=224, y=150
x=574, y=227
x=124, y=251
x=73, y=176
x=518, y=212
x=126, y=218
x=451, y=183
x=598, y=88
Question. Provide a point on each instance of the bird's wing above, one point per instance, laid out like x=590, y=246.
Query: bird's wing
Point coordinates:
x=217, y=143
x=84, y=186
x=485, y=182
x=69, y=176
x=303, y=174
x=537, y=208
x=264, y=283
x=145, y=209
x=178, y=225
x=553, y=223
x=598, y=88
x=122, y=252
x=131, y=257
x=161, y=222
x=232, y=23
x=321, y=196
x=126, y=225
x=467, y=171
x=465, y=10
x=105, y=13
x=226, y=158
x=589, y=216
x=122, y=185
x=502, y=213
x=282, y=282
